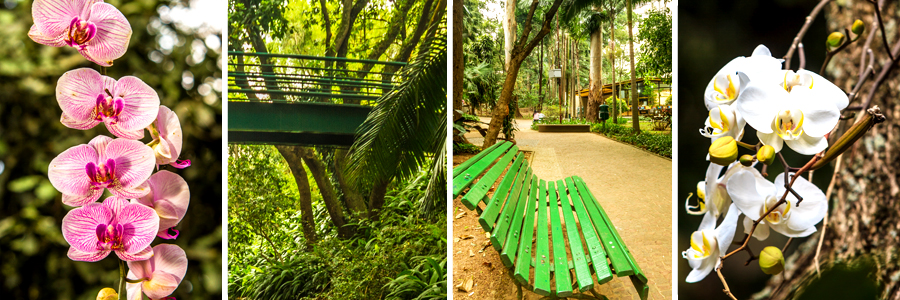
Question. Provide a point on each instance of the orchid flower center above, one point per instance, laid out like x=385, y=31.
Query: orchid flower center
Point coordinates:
x=110, y=236
x=780, y=214
x=101, y=176
x=792, y=79
x=108, y=108
x=727, y=86
x=702, y=244
x=789, y=124
x=80, y=32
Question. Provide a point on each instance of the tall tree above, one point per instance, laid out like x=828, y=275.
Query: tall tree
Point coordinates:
x=523, y=47
x=635, y=114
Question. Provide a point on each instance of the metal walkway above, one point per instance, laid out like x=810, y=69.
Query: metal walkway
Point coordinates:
x=303, y=100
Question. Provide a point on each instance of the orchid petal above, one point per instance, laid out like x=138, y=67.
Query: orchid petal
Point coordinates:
x=131, y=192
x=88, y=256
x=170, y=197
x=53, y=17
x=141, y=104
x=67, y=170
x=808, y=145
x=759, y=104
x=725, y=231
x=80, y=224
x=134, y=161
x=826, y=91
x=771, y=139
x=762, y=229
x=818, y=118
x=80, y=124
x=811, y=210
x=744, y=192
x=145, y=254
x=133, y=289
x=162, y=284
x=171, y=259
x=81, y=200
x=46, y=38
x=141, y=224
x=705, y=268
x=76, y=93
x=113, y=35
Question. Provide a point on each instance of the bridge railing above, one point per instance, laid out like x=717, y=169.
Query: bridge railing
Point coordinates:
x=270, y=77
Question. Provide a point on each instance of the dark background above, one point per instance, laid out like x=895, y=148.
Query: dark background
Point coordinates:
x=710, y=34
x=182, y=64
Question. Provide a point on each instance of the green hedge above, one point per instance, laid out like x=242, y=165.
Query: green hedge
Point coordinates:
x=657, y=143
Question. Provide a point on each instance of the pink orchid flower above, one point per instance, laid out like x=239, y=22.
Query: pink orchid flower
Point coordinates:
x=97, y=30
x=96, y=229
x=81, y=173
x=169, y=196
x=166, y=134
x=87, y=98
x=160, y=275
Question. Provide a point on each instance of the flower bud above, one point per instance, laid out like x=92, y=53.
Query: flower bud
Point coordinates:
x=771, y=260
x=835, y=39
x=107, y=294
x=766, y=154
x=723, y=151
x=858, y=27
x=747, y=160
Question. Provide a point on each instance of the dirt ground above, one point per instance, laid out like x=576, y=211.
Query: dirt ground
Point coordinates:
x=632, y=185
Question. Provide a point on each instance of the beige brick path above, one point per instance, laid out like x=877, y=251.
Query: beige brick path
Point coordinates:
x=633, y=186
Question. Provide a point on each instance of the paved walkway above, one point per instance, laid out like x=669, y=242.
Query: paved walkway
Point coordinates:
x=632, y=185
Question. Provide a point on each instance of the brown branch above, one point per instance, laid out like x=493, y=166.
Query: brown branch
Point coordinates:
x=881, y=25
x=830, y=54
x=806, y=25
x=727, y=290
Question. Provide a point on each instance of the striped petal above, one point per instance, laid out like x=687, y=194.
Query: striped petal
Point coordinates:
x=170, y=137
x=113, y=35
x=141, y=104
x=134, y=162
x=88, y=256
x=76, y=93
x=141, y=224
x=81, y=200
x=67, y=170
x=169, y=196
x=145, y=254
x=79, y=226
x=53, y=17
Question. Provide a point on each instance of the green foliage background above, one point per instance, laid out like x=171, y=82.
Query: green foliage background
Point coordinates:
x=182, y=64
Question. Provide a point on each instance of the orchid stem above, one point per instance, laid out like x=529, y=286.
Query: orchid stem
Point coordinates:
x=121, y=278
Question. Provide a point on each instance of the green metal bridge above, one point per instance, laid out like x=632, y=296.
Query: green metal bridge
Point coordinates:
x=292, y=99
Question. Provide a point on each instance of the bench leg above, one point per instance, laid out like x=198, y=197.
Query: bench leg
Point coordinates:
x=642, y=288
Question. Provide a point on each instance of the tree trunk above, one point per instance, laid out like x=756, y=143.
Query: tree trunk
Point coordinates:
x=863, y=215
x=458, y=67
x=521, y=50
x=242, y=82
x=509, y=35
x=562, y=72
x=540, y=79
x=259, y=45
x=307, y=221
x=612, y=68
x=355, y=202
x=376, y=198
x=335, y=211
x=635, y=114
x=592, y=113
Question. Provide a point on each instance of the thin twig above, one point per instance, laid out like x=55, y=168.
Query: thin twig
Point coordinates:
x=881, y=25
x=727, y=290
x=802, y=55
x=786, y=245
x=837, y=167
x=812, y=15
x=881, y=77
x=830, y=54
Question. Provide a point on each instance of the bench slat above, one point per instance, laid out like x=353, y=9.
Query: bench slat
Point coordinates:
x=582, y=273
x=595, y=247
x=508, y=255
x=498, y=236
x=542, y=258
x=466, y=178
x=480, y=189
x=560, y=259
x=523, y=256
x=492, y=210
x=636, y=270
x=459, y=169
x=603, y=226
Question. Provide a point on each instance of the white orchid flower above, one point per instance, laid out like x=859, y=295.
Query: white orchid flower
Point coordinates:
x=754, y=196
x=728, y=83
x=724, y=120
x=709, y=243
x=712, y=192
x=799, y=111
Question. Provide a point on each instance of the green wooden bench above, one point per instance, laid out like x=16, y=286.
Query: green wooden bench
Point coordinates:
x=561, y=213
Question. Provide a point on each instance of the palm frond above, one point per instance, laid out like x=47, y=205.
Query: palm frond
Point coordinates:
x=408, y=126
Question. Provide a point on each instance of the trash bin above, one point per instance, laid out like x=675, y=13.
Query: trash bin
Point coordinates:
x=604, y=112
